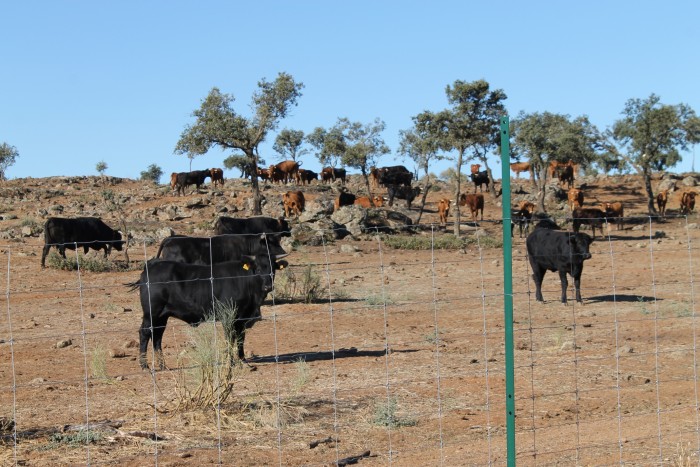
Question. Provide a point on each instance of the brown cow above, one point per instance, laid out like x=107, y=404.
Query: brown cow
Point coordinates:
x=575, y=197
x=374, y=176
x=363, y=201
x=475, y=168
x=591, y=216
x=475, y=201
x=293, y=202
x=443, y=210
x=661, y=200
x=518, y=167
x=173, y=181
x=288, y=169
x=616, y=211
x=527, y=206
x=688, y=202
x=217, y=176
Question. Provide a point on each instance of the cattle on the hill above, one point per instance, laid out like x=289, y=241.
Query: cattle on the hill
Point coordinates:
x=475, y=201
x=616, y=212
x=563, y=252
x=217, y=176
x=688, y=202
x=575, y=197
x=522, y=217
x=289, y=171
x=217, y=249
x=293, y=202
x=263, y=174
x=519, y=167
x=443, y=210
x=331, y=174
x=566, y=175
x=173, y=181
x=344, y=199
x=588, y=216
x=364, y=202
x=85, y=232
x=185, y=179
x=661, y=200
x=555, y=166
x=188, y=292
x=307, y=176
x=475, y=168
x=252, y=226
x=394, y=175
x=402, y=192
x=479, y=179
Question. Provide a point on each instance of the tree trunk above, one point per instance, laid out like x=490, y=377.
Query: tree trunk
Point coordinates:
x=257, y=204
x=541, y=186
x=459, y=187
x=650, y=194
x=492, y=183
x=369, y=192
x=426, y=188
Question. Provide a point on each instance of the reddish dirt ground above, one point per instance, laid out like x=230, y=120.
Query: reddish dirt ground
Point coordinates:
x=611, y=381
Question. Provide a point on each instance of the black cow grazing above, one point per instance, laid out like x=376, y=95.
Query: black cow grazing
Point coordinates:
x=402, y=192
x=252, y=225
x=552, y=250
x=394, y=175
x=188, y=292
x=307, y=176
x=479, y=178
x=589, y=216
x=88, y=232
x=185, y=179
x=218, y=249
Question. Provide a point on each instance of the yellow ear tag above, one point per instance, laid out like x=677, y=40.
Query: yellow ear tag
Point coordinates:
x=245, y=266
x=281, y=266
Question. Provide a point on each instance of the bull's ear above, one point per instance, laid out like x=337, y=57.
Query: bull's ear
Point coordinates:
x=281, y=264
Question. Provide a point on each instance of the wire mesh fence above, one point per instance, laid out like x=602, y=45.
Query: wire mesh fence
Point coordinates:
x=365, y=352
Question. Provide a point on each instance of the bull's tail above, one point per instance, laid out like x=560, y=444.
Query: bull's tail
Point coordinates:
x=133, y=285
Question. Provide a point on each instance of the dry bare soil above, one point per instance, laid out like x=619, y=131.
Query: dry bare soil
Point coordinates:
x=610, y=381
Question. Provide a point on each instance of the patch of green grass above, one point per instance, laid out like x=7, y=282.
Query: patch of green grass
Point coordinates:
x=378, y=299
x=98, y=364
x=74, y=440
x=304, y=285
x=442, y=242
x=301, y=378
x=385, y=414
x=87, y=263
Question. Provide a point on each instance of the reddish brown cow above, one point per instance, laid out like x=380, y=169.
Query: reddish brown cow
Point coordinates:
x=364, y=202
x=173, y=181
x=615, y=211
x=518, y=167
x=688, y=202
x=575, y=198
x=475, y=168
x=661, y=200
x=293, y=202
x=475, y=201
x=443, y=210
x=217, y=176
x=289, y=170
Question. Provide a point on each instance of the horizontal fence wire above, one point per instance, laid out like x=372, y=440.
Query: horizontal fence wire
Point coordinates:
x=364, y=350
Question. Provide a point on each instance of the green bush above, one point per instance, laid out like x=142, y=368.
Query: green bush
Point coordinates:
x=305, y=286
x=87, y=263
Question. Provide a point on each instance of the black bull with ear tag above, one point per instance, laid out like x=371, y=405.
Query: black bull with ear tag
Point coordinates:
x=188, y=292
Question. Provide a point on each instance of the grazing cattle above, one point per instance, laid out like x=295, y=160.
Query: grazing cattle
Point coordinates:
x=479, y=179
x=185, y=179
x=688, y=202
x=173, y=181
x=402, y=192
x=615, y=211
x=475, y=168
x=306, y=176
x=563, y=252
x=289, y=170
x=566, y=175
x=331, y=174
x=344, y=199
x=575, y=197
x=518, y=167
x=275, y=175
x=555, y=166
x=522, y=217
x=589, y=216
x=394, y=175
x=661, y=200
x=217, y=249
x=252, y=225
x=475, y=202
x=293, y=201
x=86, y=232
x=188, y=292
x=217, y=176
x=443, y=210
x=363, y=201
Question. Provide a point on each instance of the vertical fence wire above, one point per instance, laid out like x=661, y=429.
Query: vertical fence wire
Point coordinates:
x=86, y=369
x=151, y=330
x=387, y=347
x=656, y=340
x=217, y=358
x=12, y=356
x=694, y=332
x=438, y=390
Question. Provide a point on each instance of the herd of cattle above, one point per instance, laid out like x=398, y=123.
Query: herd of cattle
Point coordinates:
x=237, y=266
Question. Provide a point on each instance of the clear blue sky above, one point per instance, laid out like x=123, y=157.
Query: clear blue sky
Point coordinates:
x=83, y=82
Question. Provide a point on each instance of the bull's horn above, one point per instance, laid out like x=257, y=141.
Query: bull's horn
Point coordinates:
x=281, y=256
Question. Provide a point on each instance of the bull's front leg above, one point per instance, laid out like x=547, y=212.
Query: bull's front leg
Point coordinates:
x=577, y=286
x=564, y=285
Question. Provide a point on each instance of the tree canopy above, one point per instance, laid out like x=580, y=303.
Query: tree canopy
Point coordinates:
x=8, y=156
x=289, y=144
x=218, y=124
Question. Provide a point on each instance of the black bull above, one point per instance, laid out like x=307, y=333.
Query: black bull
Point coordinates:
x=565, y=252
x=217, y=249
x=86, y=232
x=190, y=293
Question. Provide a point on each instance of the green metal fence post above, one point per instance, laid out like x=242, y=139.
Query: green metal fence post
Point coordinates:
x=508, y=290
